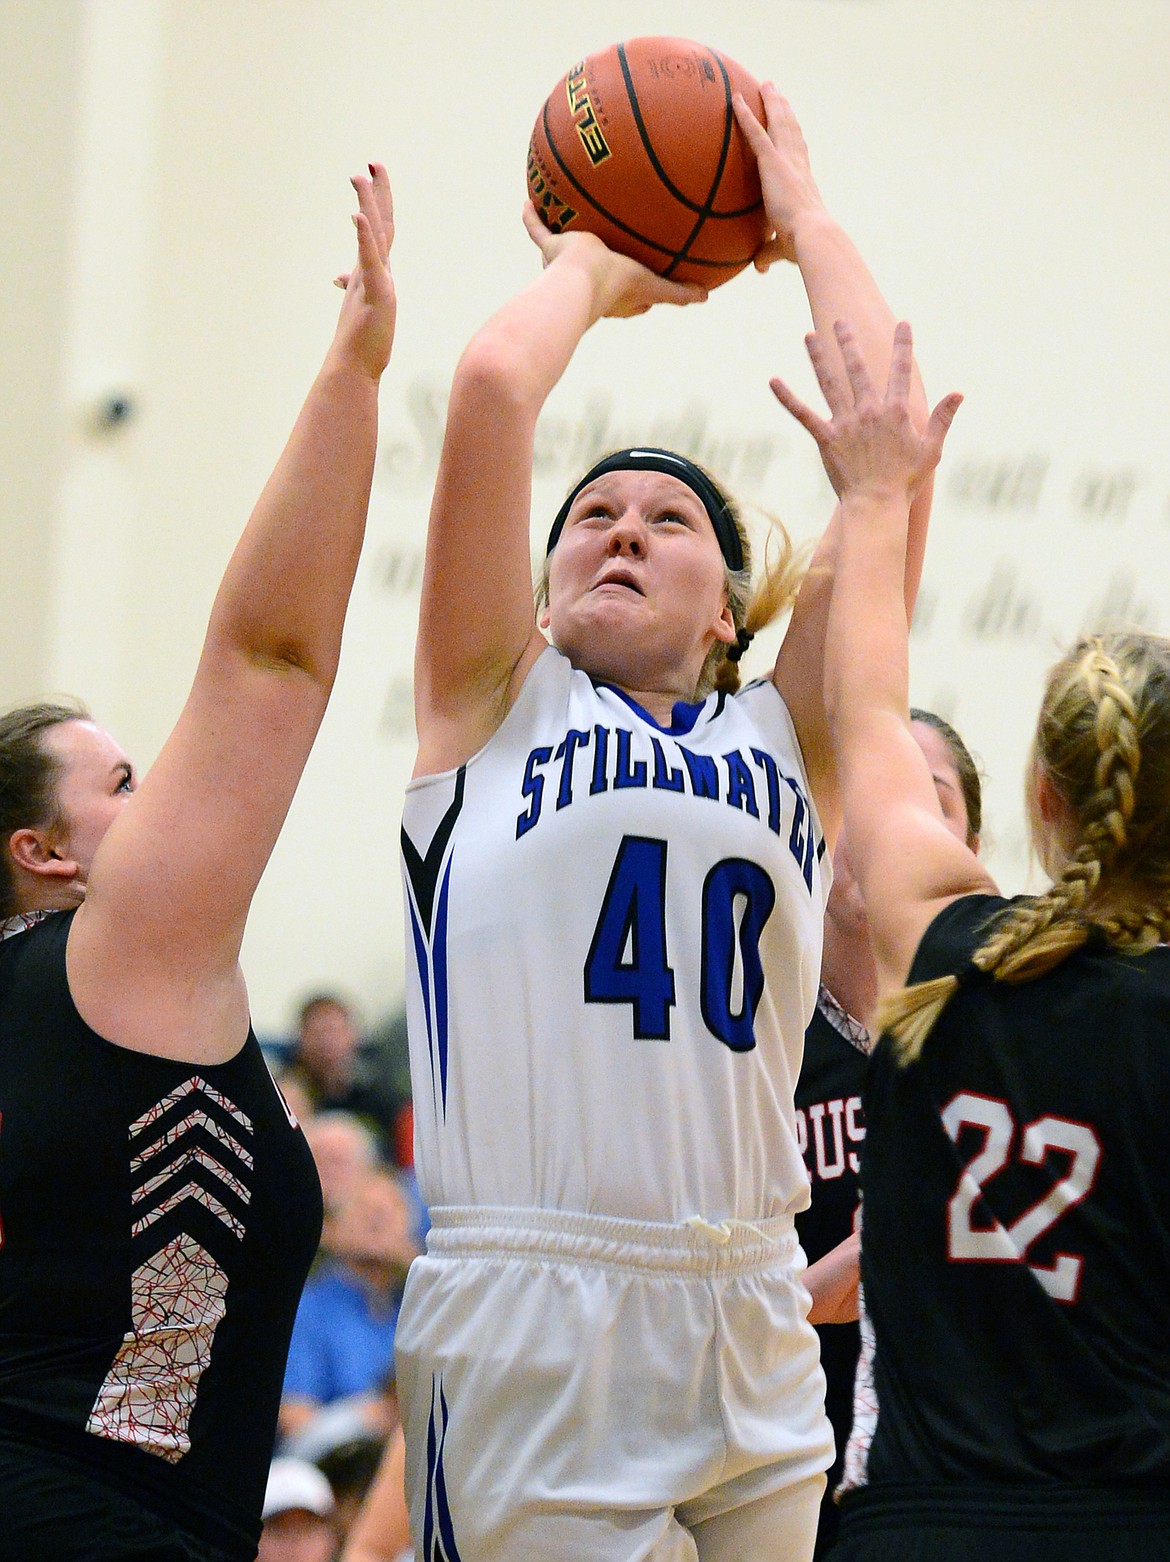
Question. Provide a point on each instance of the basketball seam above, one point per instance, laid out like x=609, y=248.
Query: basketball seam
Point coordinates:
x=701, y=220
x=623, y=227
x=663, y=249
x=705, y=210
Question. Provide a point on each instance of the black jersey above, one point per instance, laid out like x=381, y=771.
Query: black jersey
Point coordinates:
x=158, y=1221
x=1016, y=1243
x=830, y=1128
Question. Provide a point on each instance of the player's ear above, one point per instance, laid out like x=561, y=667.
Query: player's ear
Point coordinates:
x=725, y=629
x=33, y=852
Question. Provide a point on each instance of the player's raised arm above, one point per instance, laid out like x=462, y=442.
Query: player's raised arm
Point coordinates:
x=839, y=285
x=153, y=951
x=477, y=629
x=907, y=862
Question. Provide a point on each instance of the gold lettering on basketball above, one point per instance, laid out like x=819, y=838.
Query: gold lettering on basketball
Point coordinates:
x=585, y=117
x=555, y=213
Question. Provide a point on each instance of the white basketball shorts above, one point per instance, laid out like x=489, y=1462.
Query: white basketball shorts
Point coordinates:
x=603, y=1390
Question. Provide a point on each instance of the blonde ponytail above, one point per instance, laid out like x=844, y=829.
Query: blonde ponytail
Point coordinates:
x=908, y=1015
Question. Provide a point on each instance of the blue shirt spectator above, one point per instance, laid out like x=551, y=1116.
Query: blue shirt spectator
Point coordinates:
x=343, y=1337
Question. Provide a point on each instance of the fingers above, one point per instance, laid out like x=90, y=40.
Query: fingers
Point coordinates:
x=377, y=206
x=533, y=227
x=778, y=113
x=384, y=199
x=828, y=379
x=757, y=136
x=939, y=426
x=855, y=365
x=541, y=236
x=901, y=365
x=803, y=414
x=370, y=258
x=779, y=247
x=684, y=293
x=368, y=208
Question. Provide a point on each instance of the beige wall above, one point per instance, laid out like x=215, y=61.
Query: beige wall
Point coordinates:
x=176, y=205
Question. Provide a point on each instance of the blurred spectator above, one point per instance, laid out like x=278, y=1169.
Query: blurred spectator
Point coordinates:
x=388, y=1049
x=298, y=1515
x=345, y=1150
x=296, y=1097
x=343, y=1337
x=350, y=1468
x=354, y=1419
x=403, y=1140
x=328, y=1063
x=381, y=1531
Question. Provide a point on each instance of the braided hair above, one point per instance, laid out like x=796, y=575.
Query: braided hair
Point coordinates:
x=1103, y=741
x=754, y=605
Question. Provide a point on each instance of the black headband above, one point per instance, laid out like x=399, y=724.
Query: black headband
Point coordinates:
x=651, y=460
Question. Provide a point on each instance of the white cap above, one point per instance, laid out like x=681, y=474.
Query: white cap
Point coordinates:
x=295, y=1483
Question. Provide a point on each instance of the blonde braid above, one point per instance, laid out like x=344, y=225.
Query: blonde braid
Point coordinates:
x=753, y=610
x=1140, y=927
x=1037, y=936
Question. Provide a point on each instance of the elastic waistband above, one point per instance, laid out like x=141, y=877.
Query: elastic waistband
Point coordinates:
x=928, y=1506
x=694, y=1246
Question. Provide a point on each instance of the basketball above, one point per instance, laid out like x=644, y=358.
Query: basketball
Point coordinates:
x=639, y=144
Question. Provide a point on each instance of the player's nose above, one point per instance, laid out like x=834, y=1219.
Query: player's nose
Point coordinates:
x=628, y=533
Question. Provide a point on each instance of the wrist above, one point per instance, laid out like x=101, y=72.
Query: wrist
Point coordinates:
x=601, y=270
x=814, y=225
x=877, y=499
x=348, y=372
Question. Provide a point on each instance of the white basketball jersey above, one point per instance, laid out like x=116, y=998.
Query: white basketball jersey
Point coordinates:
x=614, y=943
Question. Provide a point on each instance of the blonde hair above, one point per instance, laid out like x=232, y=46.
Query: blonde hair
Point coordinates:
x=1103, y=741
x=754, y=605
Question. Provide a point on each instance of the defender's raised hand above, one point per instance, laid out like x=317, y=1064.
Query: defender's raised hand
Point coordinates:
x=869, y=443
x=365, y=329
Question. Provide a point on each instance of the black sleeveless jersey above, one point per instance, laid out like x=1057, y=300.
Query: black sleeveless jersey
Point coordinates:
x=830, y=1129
x=158, y=1220
x=1016, y=1247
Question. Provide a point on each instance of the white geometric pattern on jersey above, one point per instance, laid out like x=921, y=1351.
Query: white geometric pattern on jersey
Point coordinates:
x=191, y=1154
x=855, y=1471
x=178, y=1294
x=178, y=1299
x=21, y=923
x=199, y=1154
x=192, y=1190
x=195, y=1119
x=187, y=1088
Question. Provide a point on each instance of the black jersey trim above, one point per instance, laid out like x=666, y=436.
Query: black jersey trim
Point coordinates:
x=423, y=871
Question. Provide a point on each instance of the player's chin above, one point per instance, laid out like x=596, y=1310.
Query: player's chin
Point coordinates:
x=624, y=657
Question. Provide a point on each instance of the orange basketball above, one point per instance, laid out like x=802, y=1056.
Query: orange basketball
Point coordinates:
x=639, y=144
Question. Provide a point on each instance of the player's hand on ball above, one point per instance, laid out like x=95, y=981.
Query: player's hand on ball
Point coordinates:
x=623, y=287
x=869, y=444
x=790, y=192
x=365, y=329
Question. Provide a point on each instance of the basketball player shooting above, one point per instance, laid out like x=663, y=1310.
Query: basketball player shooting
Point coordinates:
x=603, y=829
